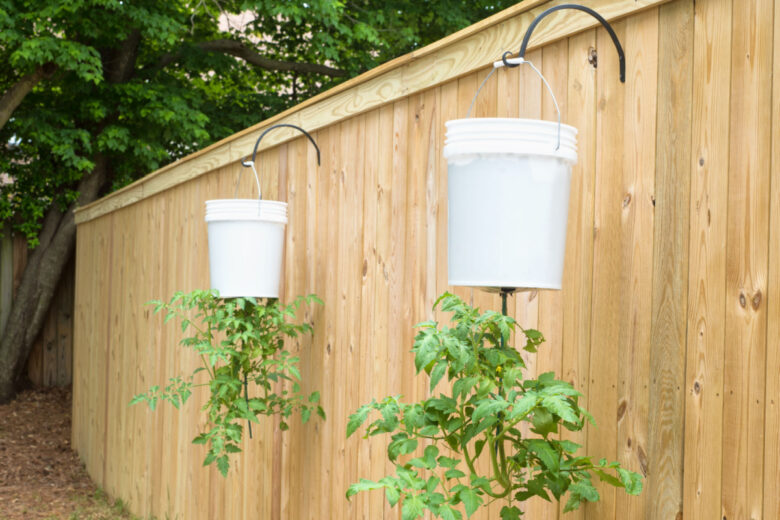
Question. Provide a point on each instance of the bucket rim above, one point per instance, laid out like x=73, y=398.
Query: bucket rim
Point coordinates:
x=516, y=121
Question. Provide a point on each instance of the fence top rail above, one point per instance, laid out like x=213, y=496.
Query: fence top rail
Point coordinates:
x=459, y=54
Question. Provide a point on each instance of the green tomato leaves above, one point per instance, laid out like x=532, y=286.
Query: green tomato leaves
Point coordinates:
x=240, y=342
x=480, y=419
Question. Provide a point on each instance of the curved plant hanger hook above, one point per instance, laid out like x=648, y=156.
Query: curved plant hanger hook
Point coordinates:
x=594, y=14
x=246, y=164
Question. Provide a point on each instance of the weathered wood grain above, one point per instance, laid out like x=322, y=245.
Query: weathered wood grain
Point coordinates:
x=747, y=253
x=670, y=261
x=639, y=213
x=609, y=257
x=578, y=264
x=709, y=164
x=772, y=400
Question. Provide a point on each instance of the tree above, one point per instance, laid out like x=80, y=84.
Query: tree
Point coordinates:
x=97, y=93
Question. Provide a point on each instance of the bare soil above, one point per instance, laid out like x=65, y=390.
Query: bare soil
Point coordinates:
x=41, y=477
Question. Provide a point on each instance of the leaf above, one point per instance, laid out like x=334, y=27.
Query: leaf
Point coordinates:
x=210, y=457
x=560, y=406
x=426, y=350
x=200, y=439
x=454, y=473
x=609, y=479
x=446, y=512
x=478, y=446
x=393, y=495
x=510, y=513
x=363, y=485
x=437, y=373
x=579, y=491
x=401, y=447
x=489, y=407
x=462, y=387
x=569, y=446
x=471, y=501
x=357, y=419
x=314, y=397
x=632, y=481
x=223, y=465
x=412, y=508
x=523, y=406
x=545, y=452
x=447, y=462
x=429, y=431
x=543, y=422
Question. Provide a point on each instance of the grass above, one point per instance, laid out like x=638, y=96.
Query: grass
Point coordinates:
x=99, y=506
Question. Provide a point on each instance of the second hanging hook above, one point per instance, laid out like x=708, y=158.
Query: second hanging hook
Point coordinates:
x=251, y=163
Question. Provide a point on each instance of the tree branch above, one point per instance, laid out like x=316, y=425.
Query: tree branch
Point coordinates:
x=119, y=64
x=13, y=97
x=251, y=56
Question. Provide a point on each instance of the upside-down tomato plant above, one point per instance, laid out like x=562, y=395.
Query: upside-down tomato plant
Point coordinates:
x=238, y=340
x=481, y=416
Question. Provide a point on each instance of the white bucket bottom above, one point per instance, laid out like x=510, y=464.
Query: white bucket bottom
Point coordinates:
x=507, y=220
x=246, y=245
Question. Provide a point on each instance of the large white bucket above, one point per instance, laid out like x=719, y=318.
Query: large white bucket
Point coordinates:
x=508, y=201
x=246, y=243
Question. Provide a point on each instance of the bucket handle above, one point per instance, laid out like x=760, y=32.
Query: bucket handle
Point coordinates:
x=246, y=163
x=513, y=62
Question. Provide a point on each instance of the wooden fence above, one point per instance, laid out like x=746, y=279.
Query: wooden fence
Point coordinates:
x=51, y=359
x=668, y=320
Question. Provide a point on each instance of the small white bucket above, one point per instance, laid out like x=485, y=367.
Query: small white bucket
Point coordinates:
x=508, y=201
x=246, y=244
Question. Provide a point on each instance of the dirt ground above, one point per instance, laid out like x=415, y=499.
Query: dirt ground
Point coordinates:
x=40, y=476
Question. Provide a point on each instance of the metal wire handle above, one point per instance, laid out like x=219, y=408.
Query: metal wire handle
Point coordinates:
x=514, y=62
x=246, y=163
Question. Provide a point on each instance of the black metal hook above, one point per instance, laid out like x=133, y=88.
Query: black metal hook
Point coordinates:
x=594, y=14
x=254, y=152
x=251, y=164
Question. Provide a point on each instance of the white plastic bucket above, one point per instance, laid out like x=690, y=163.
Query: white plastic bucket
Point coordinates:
x=508, y=201
x=246, y=244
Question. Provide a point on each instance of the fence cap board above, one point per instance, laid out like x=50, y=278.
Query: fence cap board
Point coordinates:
x=461, y=53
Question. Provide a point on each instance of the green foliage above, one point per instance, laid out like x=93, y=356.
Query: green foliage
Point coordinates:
x=239, y=340
x=482, y=415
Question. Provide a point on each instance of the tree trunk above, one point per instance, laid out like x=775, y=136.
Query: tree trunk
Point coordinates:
x=57, y=242
x=13, y=97
x=41, y=275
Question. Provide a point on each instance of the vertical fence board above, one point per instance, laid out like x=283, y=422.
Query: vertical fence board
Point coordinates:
x=639, y=225
x=384, y=349
x=331, y=295
x=555, y=68
x=369, y=462
x=707, y=260
x=772, y=400
x=746, y=259
x=670, y=259
x=100, y=347
x=578, y=266
x=609, y=288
